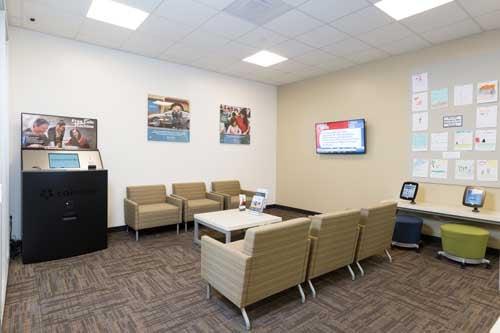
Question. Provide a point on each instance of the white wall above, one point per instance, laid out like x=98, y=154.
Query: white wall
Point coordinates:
x=62, y=77
x=4, y=165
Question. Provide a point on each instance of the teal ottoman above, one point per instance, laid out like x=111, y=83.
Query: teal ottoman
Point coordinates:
x=464, y=243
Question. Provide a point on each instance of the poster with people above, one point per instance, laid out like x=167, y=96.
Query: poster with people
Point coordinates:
x=58, y=132
x=234, y=125
x=168, y=119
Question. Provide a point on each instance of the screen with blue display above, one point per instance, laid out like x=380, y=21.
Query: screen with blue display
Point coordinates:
x=474, y=197
x=341, y=137
x=64, y=161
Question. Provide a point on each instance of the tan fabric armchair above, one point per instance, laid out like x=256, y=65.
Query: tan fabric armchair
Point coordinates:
x=333, y=243
x=268, y=260
x=375, y=231
x=196, y=200
x=231, y=190
x=149, y=206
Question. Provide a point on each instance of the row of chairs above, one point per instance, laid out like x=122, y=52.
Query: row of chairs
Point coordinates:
x=279, y=256
x=149, y=206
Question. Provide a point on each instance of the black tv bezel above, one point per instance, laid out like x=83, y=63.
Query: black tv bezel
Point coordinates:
x=341, y=153
x=59, y=149
x=465, y=194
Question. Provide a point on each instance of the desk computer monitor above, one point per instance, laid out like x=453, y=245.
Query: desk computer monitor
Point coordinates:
x=409, y=191
x=474, y=197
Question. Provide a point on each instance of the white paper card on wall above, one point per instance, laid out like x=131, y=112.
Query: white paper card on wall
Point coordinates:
x=463, y=95
x=451, y=155
x=420, y=168
x=487, y=92
x=420, y=142
x=485, y=140
x=420, y=102
x=439, y=141
x=439, y=169
x=439, y=98
x=420, y=82
x=463, y=140
x=420, y=121
x=486, y=116
x=487, y=170
x=464, y=169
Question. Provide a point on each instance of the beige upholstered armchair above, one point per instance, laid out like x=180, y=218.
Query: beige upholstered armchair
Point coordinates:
x=268, y=260
x=149, y=206
x=196, y=200
x=231, y=190
x=333, y=243
x=375, y=231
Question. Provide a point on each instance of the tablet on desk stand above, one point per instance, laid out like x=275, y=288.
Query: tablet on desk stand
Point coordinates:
x=409, y=191
x=474, y=197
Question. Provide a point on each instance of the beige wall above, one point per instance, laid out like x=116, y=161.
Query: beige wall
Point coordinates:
x=378, y=92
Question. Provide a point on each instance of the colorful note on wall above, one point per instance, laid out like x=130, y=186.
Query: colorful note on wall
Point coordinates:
x=420, y=82
x=485, y=140
x=439, y=98
x=420, y=142
x=486, y=116
x=439, y=141
x=420, y=121
x=463, y=140
x=464, y=169
x=487, y=92
x=439, y=169
x=463, y=95
x=487, y=170
x=420, y=102
x=420, y=168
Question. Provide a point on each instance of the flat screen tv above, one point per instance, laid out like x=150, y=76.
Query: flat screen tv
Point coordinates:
x=341, y=137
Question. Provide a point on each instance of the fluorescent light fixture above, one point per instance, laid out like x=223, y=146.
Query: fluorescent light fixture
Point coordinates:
x=401, y=9
x=116, y=13
x=265, y=58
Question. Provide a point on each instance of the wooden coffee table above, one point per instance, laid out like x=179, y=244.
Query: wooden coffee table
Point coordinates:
x=226, y=221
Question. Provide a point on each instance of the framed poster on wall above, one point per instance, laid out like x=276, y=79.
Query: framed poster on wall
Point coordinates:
x=169, y=119
x=234, y=125
x=41, y=131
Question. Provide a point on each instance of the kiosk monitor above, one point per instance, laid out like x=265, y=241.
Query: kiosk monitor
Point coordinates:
x=474, y=197
x=64, y=161
x=409, y=191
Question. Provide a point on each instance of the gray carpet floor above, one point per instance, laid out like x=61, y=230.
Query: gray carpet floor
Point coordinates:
x=154, y=285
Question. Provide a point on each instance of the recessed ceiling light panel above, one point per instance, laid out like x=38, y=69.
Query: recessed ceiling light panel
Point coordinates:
x=116, y=13
x=401, y=9
x=265, y=59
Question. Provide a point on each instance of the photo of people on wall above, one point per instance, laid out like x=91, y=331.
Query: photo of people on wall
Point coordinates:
x=169, y=119
x=57, y=132
x=234, y=124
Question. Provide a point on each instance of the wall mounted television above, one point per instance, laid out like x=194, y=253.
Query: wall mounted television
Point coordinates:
x=341, y=137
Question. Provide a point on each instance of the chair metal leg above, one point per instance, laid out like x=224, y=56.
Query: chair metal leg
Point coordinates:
x=186, y=226
x=360, y=268
x=245, y=318
x=313, y=291
x=388, y=255
x=208, y=291
x=136, y=235
x=302, y=295
x=177, y=228
x=127, y=229
x=353, y=276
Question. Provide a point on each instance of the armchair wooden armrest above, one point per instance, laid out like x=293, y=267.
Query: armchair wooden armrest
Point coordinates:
x=174, y=201
x=225, y=268
x=131, y=213
x=179, y=197
x=216, y=197
x=226, y=198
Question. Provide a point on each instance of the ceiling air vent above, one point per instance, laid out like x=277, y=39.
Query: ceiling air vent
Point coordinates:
x=258, y=12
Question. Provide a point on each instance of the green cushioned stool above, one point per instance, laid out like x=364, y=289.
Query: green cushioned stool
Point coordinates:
x=464, y=243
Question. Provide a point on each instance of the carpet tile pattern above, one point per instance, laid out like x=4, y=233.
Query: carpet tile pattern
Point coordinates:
x=154, y=285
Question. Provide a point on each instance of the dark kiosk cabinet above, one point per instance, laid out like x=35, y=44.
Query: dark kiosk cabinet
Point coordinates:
x=64, y=213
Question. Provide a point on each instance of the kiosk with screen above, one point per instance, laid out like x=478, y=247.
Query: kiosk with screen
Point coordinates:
x=409, y=191
x=64, y=188
x=474, y=197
